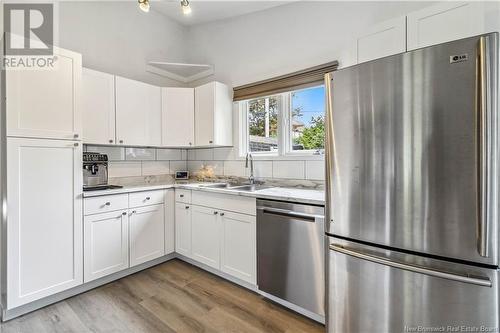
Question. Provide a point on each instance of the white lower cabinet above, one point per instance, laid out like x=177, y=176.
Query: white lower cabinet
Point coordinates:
x=205, y=236
x=44, y=236
x=218, y=230
x=147, y=234
x=105, y=244
x=238, y=246
x=183, y=228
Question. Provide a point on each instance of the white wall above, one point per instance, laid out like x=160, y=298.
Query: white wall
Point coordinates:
x=287, y=38
x=118, y=38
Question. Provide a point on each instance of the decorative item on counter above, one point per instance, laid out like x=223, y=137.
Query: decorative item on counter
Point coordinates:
x=206, y=172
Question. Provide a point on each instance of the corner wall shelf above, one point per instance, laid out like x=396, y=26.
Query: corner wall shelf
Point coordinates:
x=181, y=72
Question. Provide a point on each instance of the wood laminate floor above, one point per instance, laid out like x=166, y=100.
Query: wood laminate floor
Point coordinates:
x=171, y=297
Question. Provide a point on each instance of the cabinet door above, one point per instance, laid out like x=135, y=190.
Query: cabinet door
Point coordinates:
x=44, y=237
x=183, y=229
x=382, y=40
x=238, y=246
x=204, y=114
x=147, y=230
x=213, y=115
x=98, y=107
x=105, y=244
x=223, y=115
x=177, y=117
x=138, y=113
x=169, y=221
x=445, y=22
x=46, y=103
x=205, y=236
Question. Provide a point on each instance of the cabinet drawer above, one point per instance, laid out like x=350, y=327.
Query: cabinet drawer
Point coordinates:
x=107, y=203
x=229, y=202
x=183, y=196
x=146, y=198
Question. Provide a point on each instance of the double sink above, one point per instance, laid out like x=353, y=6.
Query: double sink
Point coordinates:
x=228, y=186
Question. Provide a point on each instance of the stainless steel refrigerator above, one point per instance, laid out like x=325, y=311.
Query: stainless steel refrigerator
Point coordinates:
x=412, y=191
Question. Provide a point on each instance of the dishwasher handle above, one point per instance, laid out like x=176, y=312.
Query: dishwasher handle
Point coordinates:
x=289, y=213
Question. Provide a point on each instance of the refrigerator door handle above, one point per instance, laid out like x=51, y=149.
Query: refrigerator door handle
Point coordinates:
x=480, y=281
x=482, y=149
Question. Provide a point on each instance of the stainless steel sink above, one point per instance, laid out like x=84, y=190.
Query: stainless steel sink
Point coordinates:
x=248, y=188
x=218, y=185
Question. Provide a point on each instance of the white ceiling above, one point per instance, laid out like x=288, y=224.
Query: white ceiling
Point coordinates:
x=204, y=11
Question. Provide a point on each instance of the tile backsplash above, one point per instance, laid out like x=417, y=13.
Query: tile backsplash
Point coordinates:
x=133, y=162
x=225, y=162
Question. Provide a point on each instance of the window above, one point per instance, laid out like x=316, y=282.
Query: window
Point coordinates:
x=290, y=123
x=307, y=115
x=263, y=124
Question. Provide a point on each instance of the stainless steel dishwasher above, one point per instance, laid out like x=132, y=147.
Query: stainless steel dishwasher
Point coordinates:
x=290, y=253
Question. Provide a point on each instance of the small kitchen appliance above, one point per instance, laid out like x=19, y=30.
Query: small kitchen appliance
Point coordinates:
x=95, y=172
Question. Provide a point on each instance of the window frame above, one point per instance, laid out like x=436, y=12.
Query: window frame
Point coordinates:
x=284, y=131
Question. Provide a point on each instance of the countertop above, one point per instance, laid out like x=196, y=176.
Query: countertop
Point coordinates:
x=307, y=196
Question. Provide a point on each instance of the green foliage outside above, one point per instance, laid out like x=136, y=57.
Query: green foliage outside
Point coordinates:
x=313, y=137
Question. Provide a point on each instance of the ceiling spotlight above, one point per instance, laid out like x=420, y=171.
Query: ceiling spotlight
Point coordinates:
x=186, y=9
x=144, y=5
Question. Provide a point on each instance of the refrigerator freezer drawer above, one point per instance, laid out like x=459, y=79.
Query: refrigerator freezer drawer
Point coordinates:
x=374, y=290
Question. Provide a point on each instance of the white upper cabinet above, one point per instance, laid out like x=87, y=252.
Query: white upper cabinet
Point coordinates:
x=445, y=22
x=384, y=39
x=45, y=241
x=46, y=103
x=213, y=115
x=177, y=117
x=138, y=113
x=98, y=107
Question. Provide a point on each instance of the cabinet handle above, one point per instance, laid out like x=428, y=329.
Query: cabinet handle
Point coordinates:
x=110, y=141
x=108, y=203
x=215, y=213
x=76, y=135
x=148, y=198
x=124, y=213
x=221, y=214
x=182, y=195
x=187, y=207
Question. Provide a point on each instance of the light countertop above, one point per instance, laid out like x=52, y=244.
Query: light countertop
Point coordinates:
x=308, y=196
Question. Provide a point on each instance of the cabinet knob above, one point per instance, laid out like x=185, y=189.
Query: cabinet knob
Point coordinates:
x=76, y=135
x=75, y=144
x=182, y=195
x=221, y=214
x=133, y=212
x=187, y=207
x=121, y=141
x=108, y=203
x=148, y=198
x=110, y=141
x=215, y=213
x=124, y=213
x=210, y=141
x=190, y=143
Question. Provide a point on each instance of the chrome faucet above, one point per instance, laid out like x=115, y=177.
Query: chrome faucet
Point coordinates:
x=251, y=179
